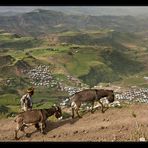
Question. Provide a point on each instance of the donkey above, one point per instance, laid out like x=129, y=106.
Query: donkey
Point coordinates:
x=35, y=117
x=90, y=95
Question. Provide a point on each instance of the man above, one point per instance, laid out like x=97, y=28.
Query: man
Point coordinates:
x=26, y=100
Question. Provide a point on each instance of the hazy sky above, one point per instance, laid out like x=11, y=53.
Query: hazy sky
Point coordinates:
x=30, y=8
x=131, y=10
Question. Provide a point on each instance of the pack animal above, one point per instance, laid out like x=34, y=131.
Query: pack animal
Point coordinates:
x=90, y=95
x=35, y=117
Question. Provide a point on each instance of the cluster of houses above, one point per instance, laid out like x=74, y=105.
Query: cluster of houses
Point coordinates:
x=41, y=76
x=134, y=94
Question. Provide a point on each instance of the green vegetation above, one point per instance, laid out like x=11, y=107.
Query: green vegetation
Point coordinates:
x=92, y=56
x=17, y=43
x=80, y=62
x=98, y=74
x=17, y=54
x=9, y=99
x=69, y=33
x=121, y=62
x=3, y=109
x=134, y=80
x=46, y=51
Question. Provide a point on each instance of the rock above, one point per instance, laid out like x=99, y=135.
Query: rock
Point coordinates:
x=59, y=136
x=75, y=132
x=65, y=134
x=102, y=127
x=54, y=136
x=142, y=139
x=84, y=131
x=107, y=119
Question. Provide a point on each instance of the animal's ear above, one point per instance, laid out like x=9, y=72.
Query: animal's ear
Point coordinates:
x=59, y=108
x=55, y=106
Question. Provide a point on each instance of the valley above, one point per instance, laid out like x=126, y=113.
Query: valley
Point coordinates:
x=60, y=54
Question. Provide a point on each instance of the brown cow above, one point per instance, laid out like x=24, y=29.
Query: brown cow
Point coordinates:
x=90, y=95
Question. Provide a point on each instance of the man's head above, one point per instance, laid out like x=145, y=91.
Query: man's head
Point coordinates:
x=30, y=91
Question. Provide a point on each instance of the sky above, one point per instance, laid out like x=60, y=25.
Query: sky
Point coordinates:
x=90, y=10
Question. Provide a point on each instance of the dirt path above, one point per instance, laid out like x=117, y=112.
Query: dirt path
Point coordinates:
x=116, y=124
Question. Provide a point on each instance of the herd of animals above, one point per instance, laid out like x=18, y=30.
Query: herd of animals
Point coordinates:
x=38, y=117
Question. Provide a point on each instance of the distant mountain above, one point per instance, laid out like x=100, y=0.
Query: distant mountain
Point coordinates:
x=82, y=10
x=9, y=13
x=101, y=10
x=42, y=22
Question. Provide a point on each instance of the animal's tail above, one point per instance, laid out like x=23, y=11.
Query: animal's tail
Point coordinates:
x=69, y=100
x=16, y=118
x=72, y=101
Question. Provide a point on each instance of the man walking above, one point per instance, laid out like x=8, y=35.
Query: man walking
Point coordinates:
x=26, y=100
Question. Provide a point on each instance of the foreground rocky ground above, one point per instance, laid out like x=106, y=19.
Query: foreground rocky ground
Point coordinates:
x=127, y=123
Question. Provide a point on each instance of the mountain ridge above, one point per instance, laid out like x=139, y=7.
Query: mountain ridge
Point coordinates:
x=42, y=22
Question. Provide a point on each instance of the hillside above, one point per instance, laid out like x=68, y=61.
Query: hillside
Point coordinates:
x=61, y=54
x=16, y=41
x=109, y=55
x=91, y=51
x=43, y=22
x=127, y=124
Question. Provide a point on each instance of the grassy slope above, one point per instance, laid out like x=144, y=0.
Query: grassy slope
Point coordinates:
x=93, y=64
x=134, y=80
x=85, y=58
